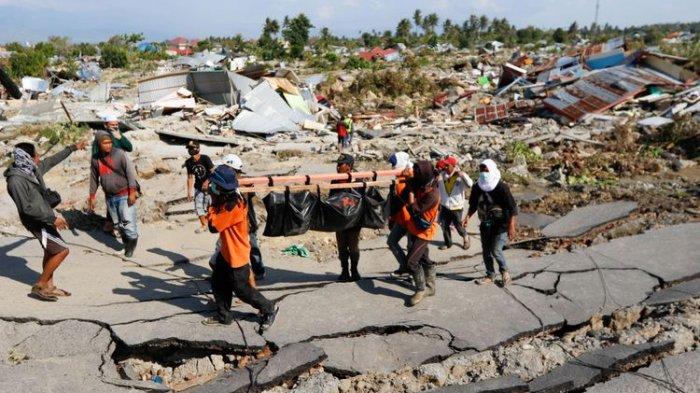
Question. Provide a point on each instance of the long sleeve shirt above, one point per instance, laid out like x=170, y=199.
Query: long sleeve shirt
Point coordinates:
x=500, y=196
x=453, y=188
x=122, y=143
x=114, y=172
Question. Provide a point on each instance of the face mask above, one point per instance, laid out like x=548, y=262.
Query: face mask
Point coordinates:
x=485, y=177
x=193, y=152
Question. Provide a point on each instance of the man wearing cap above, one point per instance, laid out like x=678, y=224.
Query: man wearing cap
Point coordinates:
x=113, y=170
x=348, y=241
x=453, y=185
x=397, y=224
x=256, y=260
x=26, y=187
x=199, y=167
x=228, y=217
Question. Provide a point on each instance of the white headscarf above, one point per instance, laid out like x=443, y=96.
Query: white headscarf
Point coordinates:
x=489, y=180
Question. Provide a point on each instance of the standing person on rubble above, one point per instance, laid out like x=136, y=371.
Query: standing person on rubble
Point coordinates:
x=348, y=241
x=453, y=185
x=35, y=204
x=113, y=170
x=397, y=225
x=492, y=198
x=343, y=135
x=421, y=201
x=256, y=260
x=228, y=216
x=199, y=167
x=119, y=141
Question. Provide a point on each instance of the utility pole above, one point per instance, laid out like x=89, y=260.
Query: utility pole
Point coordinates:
x=597, y=8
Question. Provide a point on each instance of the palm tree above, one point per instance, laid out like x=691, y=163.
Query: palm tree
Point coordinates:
x=417, y=19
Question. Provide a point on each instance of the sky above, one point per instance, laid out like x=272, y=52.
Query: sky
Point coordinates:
x=97, y=20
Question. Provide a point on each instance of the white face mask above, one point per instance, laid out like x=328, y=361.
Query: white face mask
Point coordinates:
x=485, y=177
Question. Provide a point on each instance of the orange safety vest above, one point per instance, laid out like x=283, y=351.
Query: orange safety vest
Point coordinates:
x=430, y=215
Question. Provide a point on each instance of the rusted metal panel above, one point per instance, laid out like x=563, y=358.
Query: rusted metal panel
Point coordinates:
x=600, y=91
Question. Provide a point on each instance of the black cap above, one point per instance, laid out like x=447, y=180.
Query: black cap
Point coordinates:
x=346, y=159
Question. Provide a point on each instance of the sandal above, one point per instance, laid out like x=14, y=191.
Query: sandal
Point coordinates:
x=60, y=292
x=44, y=294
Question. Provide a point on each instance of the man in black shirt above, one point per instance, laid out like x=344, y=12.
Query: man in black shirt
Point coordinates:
x=199, y=167
x=497, y=212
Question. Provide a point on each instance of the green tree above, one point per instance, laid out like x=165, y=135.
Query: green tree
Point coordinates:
x=61, y=45
x=325, y=39
x=46, y=48
x=483, y=23
x=114, y=56
x=403, y=30
x=573, y=31
x=417, y=19
x=559, y=35
x=296, y=31
x=430, y=22
x=268, y=43
x=14, y=47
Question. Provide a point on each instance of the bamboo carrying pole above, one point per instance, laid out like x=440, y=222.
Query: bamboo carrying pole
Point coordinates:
x=319, y=181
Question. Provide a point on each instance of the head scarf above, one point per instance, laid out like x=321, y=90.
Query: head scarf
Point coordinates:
x=102, y=135
x=23, y=161
x=489, y=180
x=423, y=174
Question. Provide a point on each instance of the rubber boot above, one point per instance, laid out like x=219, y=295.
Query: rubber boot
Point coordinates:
x=354, y=261
x=419, y=280
x=129, y=247
x=430, y=276
x=344, y=274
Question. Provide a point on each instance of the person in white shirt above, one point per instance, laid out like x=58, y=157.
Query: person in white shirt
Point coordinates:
x=453, y=185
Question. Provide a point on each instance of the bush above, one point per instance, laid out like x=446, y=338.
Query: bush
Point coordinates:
x=84, y=49
x=64, y=133
x=28, y=62
x=520, y=148
x=390, y=83
x=114, y=57
x=357, y=63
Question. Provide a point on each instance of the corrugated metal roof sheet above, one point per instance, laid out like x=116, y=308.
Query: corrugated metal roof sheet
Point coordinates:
x=157, y=87
x=599, y=91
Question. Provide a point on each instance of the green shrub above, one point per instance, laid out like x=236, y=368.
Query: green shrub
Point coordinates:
x=83, y=49
x=28, y=62
x=64, y=133
x=114, y=57
x=520, y=148
x=357, y=63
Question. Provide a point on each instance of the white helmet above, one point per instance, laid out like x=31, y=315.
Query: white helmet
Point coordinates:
x=234, y=162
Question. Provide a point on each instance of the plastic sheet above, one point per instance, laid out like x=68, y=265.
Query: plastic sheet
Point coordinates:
x=340, y=211
x=289, y=214
x=376, y=209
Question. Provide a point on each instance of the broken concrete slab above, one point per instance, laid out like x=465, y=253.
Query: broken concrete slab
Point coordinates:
x=673, y=373
x=37, y=357
x=544, y=281
x=675, y=245
x=593, y=366
x=384, y=353
x=603, y=291
x=534, y=220
x=507, y=384
x=242, y=334
x=335, y=312
x=287, y=363
x=583, y=219
x=679, y=292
